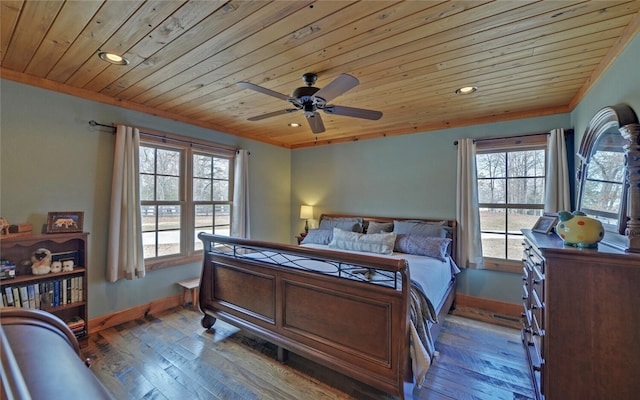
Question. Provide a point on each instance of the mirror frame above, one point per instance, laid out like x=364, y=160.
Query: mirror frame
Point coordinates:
x=622, y=118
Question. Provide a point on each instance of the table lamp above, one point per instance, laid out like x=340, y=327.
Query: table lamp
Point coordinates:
x=306, y=213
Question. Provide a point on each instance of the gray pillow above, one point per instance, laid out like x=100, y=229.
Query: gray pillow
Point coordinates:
x=381, y=243
x=379, y=227
x=435, y=247
x=318, y=236
x=419, y=228
x=351, y=224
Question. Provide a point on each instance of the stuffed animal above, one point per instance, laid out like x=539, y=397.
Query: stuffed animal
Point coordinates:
x=41, y=262
x=67, y=265
x=4, y=226
x=56, y=266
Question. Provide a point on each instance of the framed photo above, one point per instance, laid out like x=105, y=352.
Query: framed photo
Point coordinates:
x=545, y=224
x=64, y=221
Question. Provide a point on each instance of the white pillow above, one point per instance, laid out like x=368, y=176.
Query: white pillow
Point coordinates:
x=381, y=243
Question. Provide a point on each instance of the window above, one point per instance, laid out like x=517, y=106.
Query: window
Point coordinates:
x=511, y=184
x=185, y=188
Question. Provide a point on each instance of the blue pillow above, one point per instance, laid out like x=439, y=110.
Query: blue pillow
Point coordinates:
x=349, y=224
x=318, y=236
x=419, y=245
x=433, y=229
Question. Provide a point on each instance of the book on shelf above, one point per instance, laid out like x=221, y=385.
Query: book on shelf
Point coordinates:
x=16, y=297
x=75, y=323
x=9, y=295
x=31, y=293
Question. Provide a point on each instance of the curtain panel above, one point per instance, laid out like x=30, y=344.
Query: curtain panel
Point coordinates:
x=469, y=252
x=125, y=258
x=240, y=226
x=557, y=193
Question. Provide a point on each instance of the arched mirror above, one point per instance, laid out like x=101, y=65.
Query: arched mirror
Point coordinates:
x=602, y=176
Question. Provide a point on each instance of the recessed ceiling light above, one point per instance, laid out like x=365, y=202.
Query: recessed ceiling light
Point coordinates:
x=113, y=58
x=294, y=125
x=466, y=90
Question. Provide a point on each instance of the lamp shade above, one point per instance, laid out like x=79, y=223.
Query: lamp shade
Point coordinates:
x=306, y=212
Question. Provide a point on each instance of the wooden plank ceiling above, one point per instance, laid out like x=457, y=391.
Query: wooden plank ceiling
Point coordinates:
x=527, y=58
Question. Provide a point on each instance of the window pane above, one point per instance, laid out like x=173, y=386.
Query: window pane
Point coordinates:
x=606, y=166
x=491, y=165
x=147, y=187
x=526, y=163
x=519, y=218
x=514, y=247
x=204, y=216
x=493, y=219
x=493, y=245
x=221, y=168
x=223, y=220
x=149, y=244
x=168, y=162
x=201, y=189
x=168, y=188
x=168, y=217
x=526, y=191
x=221, y=190
x=602, y=196
x=491, y=191
x=147, y=160
x=148, y=218
x=202, y=166
x=168, y=243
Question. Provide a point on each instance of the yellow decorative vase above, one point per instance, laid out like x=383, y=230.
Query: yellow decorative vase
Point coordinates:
x=576, y=229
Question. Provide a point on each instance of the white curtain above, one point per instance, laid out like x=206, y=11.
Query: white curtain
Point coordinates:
x=125, y=258
x=469, y=243
x=240, y=226
x=557, y=197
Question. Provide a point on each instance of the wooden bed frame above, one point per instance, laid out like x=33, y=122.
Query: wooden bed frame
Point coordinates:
x=357, y=328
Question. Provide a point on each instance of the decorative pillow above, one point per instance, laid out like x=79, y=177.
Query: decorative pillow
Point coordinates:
x=420, y=228
x=318, y=236
x=351, y=224
x=379, y=227
x=419, y=245
x=381, y=243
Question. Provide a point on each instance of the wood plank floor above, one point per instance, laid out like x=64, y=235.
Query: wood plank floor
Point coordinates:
x=171, y=357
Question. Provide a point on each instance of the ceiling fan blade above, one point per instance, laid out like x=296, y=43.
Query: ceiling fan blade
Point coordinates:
x=315, y=122
x=260, y=89
x=272, y=114
x=353, y=112
x=337, y=87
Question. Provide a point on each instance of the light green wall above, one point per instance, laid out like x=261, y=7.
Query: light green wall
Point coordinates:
x=415, y=175
x=52, y=160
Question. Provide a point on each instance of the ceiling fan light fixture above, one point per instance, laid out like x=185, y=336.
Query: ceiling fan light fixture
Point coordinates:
x=295, y=125
x=113, y=58
x=466, y=90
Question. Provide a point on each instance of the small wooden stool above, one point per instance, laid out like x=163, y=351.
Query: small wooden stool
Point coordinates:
x=190, y=285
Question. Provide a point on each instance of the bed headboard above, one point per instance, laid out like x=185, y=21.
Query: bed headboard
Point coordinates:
x=451, y=223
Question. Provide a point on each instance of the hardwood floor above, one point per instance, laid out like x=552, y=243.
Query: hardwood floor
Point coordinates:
x=172, y=357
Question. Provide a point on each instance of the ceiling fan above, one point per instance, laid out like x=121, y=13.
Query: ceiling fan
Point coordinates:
x=310, y=99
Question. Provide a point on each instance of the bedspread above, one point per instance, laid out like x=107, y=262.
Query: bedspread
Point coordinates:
x=421, y=314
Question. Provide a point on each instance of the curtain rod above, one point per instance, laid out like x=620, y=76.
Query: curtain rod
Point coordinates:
x=167, y=138
x=455, y=143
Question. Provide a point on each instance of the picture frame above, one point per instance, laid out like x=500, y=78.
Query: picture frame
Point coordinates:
x=545, y=224
x=65, y=221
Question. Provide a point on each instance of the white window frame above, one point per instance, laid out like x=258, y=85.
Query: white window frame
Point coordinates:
x=505, y=145
x=187, y=148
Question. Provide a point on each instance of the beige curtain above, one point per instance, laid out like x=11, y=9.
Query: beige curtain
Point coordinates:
x=557, y=197
x=469, y=253
x=240, y=226
x=125, y=258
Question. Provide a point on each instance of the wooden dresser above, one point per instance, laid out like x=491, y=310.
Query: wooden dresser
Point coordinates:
x=581, y=320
